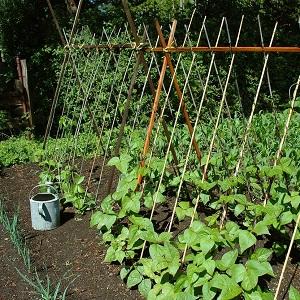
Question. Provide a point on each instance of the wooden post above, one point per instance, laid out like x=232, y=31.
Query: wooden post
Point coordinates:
x=27, y=95
x=177, y=88
x=156, y=100
x=146, y=69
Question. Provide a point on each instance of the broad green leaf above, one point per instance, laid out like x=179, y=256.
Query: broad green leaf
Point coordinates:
x=95, y=218
x=141, y=222
x=295, y=201
x=113, y=161
x=190, y=237
x=228, y=259
x=119, y=255
x=110, y=255
x=260, y=267
x=131, y=204
x=261, y=254
x=164, y=237
x=210, y=266
x=208, y=293
x=261, y=228
x=102, y=220
x=180, y=213
x=250, y=280
x=197, y=226
x=148, y=200
x=107, y=205
x=184, y=296
x=256, y=295
x=184, y=204
x=294, y=294
x=246, y=240
x=149, y=235
x=204, y=198
x=134, y=278
x=206, y=244
x=144, y=287
x=206, y=186
x=286, y=218
x=237, y=272
x=238, y=209
x=124, y=272
x=148, y=267
x=229, y=288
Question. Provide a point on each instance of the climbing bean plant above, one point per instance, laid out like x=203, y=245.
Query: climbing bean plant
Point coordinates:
x=202, y=257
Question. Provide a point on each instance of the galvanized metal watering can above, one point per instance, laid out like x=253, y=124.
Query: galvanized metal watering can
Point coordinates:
x=44, y=208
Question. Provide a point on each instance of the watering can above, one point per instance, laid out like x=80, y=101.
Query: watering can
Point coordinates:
x=44, y=208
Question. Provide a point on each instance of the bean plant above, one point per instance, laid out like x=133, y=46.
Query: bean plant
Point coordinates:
x=203, y=255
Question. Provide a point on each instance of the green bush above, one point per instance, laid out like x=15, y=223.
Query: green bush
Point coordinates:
x=17, y=150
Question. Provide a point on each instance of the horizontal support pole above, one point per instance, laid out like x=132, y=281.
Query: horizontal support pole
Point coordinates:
x=238, y=49
x=222, y=49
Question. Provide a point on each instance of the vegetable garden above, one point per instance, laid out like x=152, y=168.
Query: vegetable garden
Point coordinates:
x=203, y=196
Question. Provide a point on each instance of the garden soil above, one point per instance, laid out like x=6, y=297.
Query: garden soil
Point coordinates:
x=72, y=251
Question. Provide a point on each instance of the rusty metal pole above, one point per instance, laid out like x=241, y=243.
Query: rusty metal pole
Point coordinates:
x=219, y=49
x=156, y=101
x=178, y=90
x=146, y=69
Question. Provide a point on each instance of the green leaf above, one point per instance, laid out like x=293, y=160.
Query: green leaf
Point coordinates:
x=110, y=255
x=294, y=294
x=295, y=201
x=228, y=259
x=229, y=288
x=148, y=200
x=261, y=228
x=261, y=267
x=206, y=186
x=237, y=272
x=141, y=222
x=206, y=244
x=184, y=296
x=210, y=266
x=102, y=220
x=113, y=161
x=256, y=295
x=134, y=278
x=180, y=213
x=107, y=205
x=124, y=272
x=261, y=254
x=119, y=255
x=144, y=287
x=130, y=204
x=286, y=218
x=204, y=198
x=250, y=280
x=246, y=240
x=208, y=293
x=238, y=209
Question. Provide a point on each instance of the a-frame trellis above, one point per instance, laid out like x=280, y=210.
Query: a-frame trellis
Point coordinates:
x=161, y=95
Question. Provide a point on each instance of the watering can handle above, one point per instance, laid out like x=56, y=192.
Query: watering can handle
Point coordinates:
x=39, y=185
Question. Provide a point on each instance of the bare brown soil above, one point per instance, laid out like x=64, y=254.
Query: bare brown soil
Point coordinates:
x=73, y=249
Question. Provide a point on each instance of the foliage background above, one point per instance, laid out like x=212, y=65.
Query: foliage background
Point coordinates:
x=26, y=29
